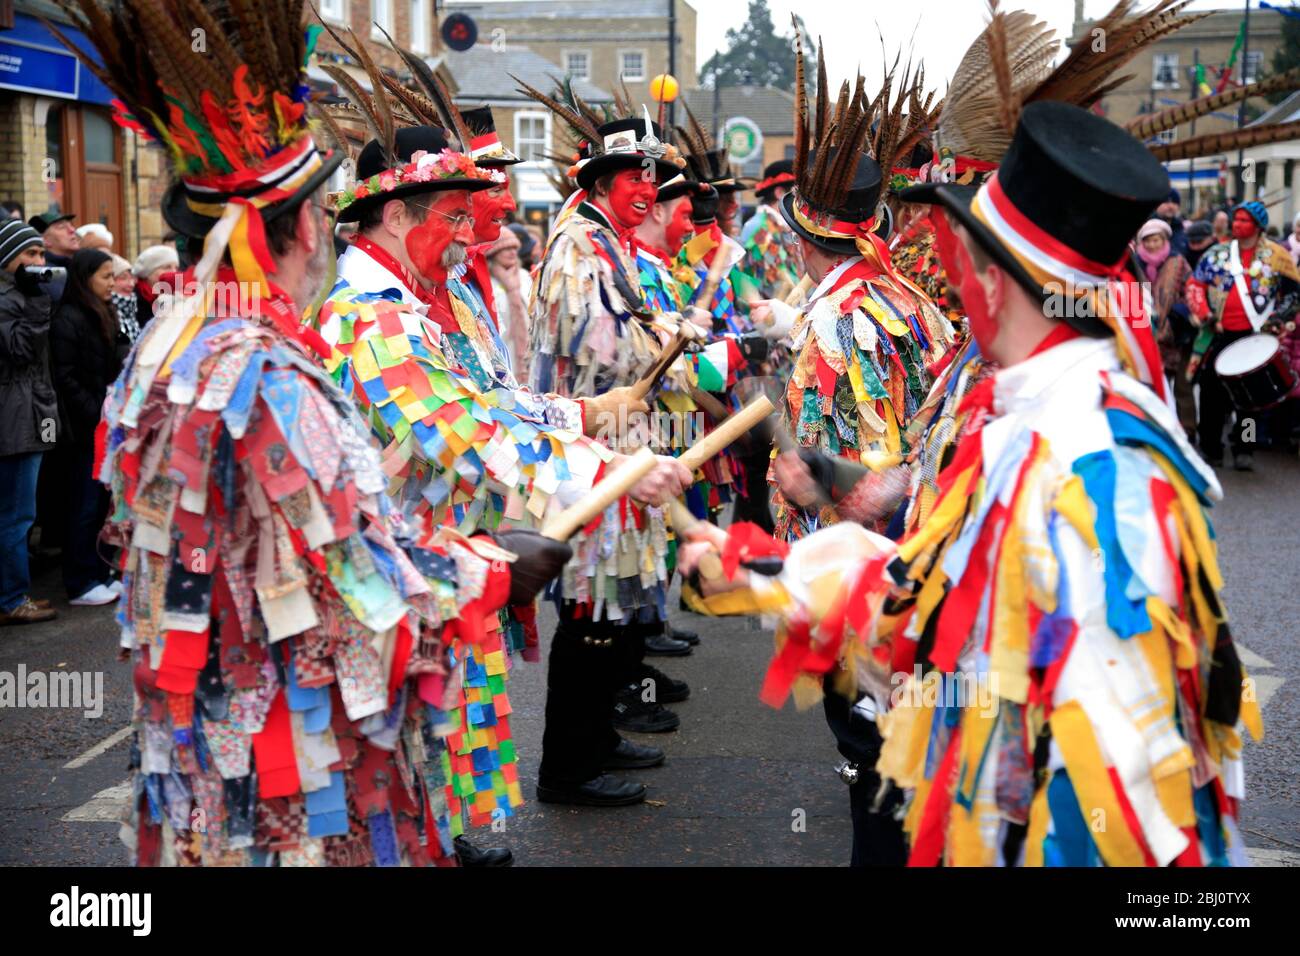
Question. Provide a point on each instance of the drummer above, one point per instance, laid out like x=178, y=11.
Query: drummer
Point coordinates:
x=1242, y=286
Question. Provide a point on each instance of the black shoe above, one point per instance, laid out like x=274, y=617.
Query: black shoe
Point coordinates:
x=1244, y=462
x=630, y=756
x=470, y=855
x=604, y=791
x=667, y=690
x=687, y=637
x=637, y=716
x=661, y=645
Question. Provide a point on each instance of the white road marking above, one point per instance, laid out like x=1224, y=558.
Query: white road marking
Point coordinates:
x=1273, y=857
x=108, y=743
x=1266, y=686
x=104, y=807
x=1250, y=658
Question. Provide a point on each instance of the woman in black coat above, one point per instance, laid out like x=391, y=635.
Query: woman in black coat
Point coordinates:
x=84, y=364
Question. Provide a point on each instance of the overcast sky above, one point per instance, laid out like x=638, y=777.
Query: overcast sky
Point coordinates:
x=939, y=30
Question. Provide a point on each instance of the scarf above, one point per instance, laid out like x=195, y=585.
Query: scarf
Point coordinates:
x=1152, y=261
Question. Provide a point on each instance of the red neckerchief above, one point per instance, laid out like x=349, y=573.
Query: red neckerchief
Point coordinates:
x=626, y=237
x=439, y=302
x=389, y=262
x=478, y=268
x=1062, y=333
x=278, y=310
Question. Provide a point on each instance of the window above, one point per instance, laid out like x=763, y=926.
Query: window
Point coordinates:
x=1165, y=76
x=381, y=12
x=577, y=64
x=335, y=10
x=1254, y=64
x=420, y=26
x=631, y=64
x=532, y=136
x=1167, y=136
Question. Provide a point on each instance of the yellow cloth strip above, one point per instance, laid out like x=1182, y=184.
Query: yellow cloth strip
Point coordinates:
x=1039, y=815
x=1102, y=814
x=950, y=509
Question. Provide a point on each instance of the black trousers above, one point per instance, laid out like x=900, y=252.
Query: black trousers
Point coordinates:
x=589, y=662
x=86, y=507
x=1216, y=405
x=877, y=837
x=755, y=504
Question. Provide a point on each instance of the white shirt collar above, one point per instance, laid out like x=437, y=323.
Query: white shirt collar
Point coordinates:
x=363, y=273
x=832, y=277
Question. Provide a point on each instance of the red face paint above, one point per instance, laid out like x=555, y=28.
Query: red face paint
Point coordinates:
x=631, y=189
x=427, y=242
x=982, y=325
x=679, y=226
x=491, y=207
x=1243, y=225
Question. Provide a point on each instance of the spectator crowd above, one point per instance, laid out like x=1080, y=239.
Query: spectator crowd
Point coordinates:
x=70, y=310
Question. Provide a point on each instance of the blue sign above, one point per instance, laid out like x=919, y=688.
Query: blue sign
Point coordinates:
x=37, y=71
x=33, y=61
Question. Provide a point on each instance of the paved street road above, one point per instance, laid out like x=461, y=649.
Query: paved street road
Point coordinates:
x=739, y=775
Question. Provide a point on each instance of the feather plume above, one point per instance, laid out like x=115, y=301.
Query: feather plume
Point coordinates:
x=973, y=121
x=581, y=125
x=383, y=111
x=1213, y=143
x=365, y=106
x=1087, y=73
x=1009, y=112
x=1145, y=126
x=436, y=91
x=800, y=104
x=823, y=93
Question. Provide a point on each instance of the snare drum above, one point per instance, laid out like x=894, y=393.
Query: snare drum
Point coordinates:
x=1254, y=372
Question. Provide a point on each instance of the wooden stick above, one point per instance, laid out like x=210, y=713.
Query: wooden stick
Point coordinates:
x=709, y=404
x=799, y=291
x=704, y=293
x=659, y=369
x=609, y=489
x=731, y=429
x=683, y=521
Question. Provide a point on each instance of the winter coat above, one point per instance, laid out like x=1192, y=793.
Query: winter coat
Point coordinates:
x=29, y=411
x=84, y=366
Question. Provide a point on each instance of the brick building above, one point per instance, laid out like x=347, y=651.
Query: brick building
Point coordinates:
x=1162, y=78
x=602, y=41
x=60, y=151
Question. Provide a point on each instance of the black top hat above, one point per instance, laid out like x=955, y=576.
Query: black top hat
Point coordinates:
x=409, y=140
x=179, y=214
x=778, y=173
x=825, y=226
x=486, y=148
x=626, y=144
x=41, y=223
x=1071, y=191
x=679, y=185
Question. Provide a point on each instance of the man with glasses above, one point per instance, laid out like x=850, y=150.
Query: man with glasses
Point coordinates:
x=465, y=446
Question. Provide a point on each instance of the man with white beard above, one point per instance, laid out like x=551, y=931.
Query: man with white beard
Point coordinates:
x=465, y=447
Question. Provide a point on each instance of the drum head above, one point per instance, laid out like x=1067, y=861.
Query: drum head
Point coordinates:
x=1246, y=355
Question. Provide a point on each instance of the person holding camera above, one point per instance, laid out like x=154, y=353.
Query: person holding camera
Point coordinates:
x=28, y=412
